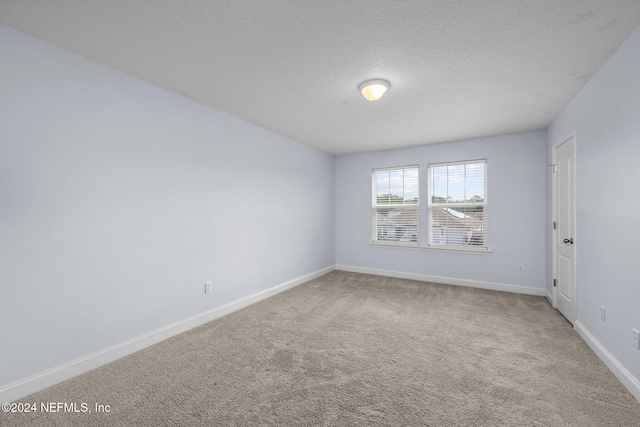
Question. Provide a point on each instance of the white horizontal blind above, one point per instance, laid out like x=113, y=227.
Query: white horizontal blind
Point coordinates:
x=395, y=207
x=457, y=205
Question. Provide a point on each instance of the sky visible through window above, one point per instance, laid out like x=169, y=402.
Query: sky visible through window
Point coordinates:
x=458, y=183
x=454, y=183
x=398, y=182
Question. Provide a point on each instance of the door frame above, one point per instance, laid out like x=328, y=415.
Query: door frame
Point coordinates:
x=554, y=204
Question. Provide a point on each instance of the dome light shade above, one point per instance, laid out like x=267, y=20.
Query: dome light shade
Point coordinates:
x=373, y=90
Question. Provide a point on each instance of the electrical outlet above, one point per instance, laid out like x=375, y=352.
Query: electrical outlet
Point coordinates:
x=636, y=338
x=520, y=267
x=602, y=310
x=207, y=287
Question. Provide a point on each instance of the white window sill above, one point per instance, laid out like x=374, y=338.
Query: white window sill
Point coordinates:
x=403, y=245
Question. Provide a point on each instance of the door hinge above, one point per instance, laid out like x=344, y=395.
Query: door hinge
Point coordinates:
x=555, y=225
x=554, y=283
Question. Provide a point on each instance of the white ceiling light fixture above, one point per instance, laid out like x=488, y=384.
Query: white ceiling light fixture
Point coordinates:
x=373, y=90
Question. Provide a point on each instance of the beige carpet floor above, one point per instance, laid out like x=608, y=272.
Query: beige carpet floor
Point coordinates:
x=352, y=349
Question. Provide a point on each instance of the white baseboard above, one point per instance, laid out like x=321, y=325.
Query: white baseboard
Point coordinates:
x=549, y=297
x=27, y=386
x=626, y=378
x=528, y=290
x=21, y=388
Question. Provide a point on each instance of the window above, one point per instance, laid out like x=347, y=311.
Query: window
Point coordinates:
x=457, y=205
x=395, y=207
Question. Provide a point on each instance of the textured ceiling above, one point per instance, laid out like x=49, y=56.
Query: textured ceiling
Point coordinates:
x=458, y=69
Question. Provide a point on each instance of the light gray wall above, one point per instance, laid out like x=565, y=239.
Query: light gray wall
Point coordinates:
x=516, y=197
x=606, y=118
x=118, y=200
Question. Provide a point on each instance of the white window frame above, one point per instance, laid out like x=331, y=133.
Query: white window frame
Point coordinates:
x=405, y=210
x=471, y=234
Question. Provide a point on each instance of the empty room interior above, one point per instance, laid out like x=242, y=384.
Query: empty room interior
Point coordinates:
x=215, y=175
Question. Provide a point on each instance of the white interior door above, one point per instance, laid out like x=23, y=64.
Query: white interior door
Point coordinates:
x=564, y=241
